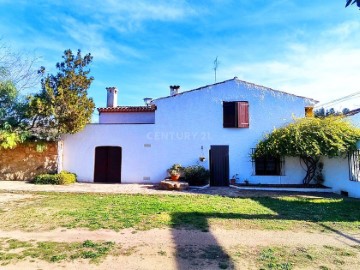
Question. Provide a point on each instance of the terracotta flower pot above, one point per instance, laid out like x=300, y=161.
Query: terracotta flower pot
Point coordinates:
x=175, y=177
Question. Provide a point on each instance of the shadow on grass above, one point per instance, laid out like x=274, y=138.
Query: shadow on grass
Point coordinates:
x=340, y=233
x=204, y=248
x=200, y=250
x=299, y=209
x=313, y=209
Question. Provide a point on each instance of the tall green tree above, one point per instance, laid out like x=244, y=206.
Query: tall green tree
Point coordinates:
x=63, y=105
x=11, y=132
x=351, y=2
x=310, y=139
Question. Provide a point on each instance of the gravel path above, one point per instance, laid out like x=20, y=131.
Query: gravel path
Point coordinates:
x=172, y=237
x=15, y=186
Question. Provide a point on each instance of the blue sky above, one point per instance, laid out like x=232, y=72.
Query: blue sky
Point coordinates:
x=305, y=47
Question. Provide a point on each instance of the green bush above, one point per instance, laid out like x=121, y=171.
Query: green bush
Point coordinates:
x=44, y=179
x=63, y=178
x=67, y=178
x=196, y=175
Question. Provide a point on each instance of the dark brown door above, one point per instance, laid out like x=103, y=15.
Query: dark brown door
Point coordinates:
x=219, y=165
x=107, y=164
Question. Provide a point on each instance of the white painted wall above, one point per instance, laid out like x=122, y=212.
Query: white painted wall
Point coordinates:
x=336, y=174
x=355, y=119
x=336, y=170
x=127, y=117
x=184, y=124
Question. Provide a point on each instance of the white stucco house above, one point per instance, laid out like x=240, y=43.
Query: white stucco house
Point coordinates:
x=222, y=122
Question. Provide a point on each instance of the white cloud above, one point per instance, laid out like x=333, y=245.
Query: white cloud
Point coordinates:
x=324, y=69
x=89, y=36
x=126, y=16
x=344, y=30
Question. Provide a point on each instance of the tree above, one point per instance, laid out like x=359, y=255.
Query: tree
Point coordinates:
x=16, y=74
x=310, y=139
x=18, y=68
x=63, y=105
x=10, y=135
x=351, y=2
x=321, y=112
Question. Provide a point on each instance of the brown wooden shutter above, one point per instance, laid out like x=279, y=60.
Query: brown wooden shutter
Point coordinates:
x=229, y=114
x=243, y=114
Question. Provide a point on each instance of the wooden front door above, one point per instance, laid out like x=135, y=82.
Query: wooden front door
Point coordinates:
x=107, y=164
x=219, y=165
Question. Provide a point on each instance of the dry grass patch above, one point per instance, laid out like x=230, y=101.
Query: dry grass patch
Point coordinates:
x=12, y=251
x=286, y=257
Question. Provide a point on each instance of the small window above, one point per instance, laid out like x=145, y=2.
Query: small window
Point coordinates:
x=309, y=111
x=268, y=165
x=236, y=114
x=354, y=165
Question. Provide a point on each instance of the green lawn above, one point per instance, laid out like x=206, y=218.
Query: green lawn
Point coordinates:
x=94, y=211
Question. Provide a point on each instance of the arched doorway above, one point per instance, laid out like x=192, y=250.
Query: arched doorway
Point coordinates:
x=108, y=164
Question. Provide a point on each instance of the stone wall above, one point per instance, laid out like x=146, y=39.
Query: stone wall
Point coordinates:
x=23, y=163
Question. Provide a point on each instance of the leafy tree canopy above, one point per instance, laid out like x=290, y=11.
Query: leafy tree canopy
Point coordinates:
x=310, y=139
x=331, y=136
x=15, y=73
x=63, y=105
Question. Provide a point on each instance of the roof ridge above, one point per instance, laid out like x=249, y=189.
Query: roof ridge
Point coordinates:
x=271, y=89
x=238, y=80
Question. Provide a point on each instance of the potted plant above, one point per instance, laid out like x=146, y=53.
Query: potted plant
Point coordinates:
x=175, y=172
x=196, y=175
x=234, y=179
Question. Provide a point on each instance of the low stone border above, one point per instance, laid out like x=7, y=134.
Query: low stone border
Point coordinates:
x=321, y=190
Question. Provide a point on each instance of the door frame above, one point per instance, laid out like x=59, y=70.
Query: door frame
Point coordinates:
x=105, y=180
x=224, y=151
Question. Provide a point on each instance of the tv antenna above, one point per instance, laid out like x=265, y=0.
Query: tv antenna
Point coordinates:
x=216, y=64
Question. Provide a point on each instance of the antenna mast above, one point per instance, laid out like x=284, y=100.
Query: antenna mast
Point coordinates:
x=216, y=63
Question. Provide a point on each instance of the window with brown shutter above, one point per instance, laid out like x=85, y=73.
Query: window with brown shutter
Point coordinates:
x=236, y=114
x=243, y=114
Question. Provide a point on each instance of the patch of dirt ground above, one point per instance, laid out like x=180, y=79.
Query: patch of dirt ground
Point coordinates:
x=217, y=248
x=10, y=197
x=183, y=249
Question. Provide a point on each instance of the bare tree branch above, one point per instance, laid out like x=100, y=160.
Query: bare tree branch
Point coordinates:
x=18, y=68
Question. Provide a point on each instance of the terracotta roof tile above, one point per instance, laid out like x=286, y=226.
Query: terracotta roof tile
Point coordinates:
x=128, y=109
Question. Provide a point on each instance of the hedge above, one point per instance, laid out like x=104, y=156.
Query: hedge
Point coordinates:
x=62, y=178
